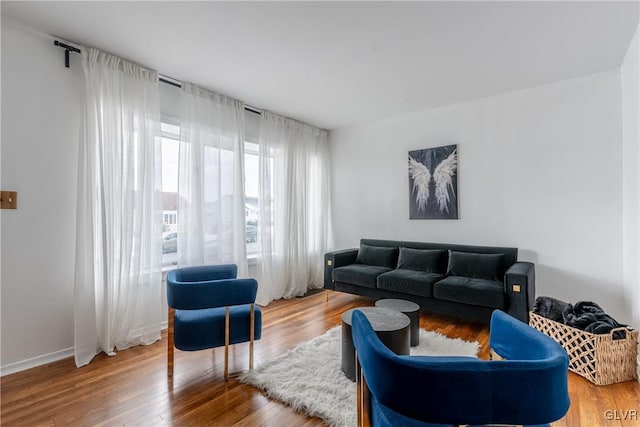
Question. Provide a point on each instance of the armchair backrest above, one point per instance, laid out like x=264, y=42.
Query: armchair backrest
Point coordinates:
x=201, y=273
x=462, y=390
x=194, y=288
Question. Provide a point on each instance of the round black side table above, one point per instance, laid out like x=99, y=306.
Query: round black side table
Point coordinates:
x=411, y=309
x=391, y=326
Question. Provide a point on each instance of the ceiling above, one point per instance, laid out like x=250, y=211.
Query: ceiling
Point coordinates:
x=337, y=64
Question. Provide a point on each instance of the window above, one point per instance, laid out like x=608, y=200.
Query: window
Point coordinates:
x=170, y=150
x=170, y=157
x=251, y=185
x=253, y=222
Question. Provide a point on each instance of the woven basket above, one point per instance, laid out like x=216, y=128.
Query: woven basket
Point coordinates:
x=598, y=357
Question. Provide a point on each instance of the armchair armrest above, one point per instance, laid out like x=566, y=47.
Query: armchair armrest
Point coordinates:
x=514, y=340
x=210, y=294
x=337, y=259
x=520, y=286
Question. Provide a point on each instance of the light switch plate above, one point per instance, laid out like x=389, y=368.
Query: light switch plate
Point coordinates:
x=8, y=200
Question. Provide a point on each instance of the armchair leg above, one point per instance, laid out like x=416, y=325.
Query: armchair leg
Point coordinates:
x=366, y=402
x=170, y=342
x=358, y=392
x=226, y=343
x=362, y=397
x=251, y=335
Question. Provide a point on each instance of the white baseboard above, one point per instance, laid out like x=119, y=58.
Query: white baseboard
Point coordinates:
x=22, y=365
x=33, y=362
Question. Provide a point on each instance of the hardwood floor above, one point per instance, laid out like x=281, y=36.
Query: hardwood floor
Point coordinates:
x=132, y=389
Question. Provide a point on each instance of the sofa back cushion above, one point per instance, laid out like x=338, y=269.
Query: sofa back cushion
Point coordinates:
x=510, y=254
x=377, y=255
x=479, y=266
x=429, y=260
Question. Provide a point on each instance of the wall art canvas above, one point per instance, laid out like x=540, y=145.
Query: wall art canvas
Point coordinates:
x=433, y=183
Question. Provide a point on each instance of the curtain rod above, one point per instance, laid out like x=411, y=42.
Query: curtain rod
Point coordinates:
x=178, y=83
x=67, y=49
x=164, y=79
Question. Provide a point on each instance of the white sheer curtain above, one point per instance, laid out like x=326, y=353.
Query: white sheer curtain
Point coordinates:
x=211, y=209
x=117, y=290
x=293, y=207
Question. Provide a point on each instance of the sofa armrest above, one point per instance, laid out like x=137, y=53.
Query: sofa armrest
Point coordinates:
x=520, y=286
x=337, y=259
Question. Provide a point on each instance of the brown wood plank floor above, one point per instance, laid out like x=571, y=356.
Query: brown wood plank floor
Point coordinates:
x=131, y=389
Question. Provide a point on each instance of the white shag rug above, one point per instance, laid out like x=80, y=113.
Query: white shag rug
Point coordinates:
x=309, y=377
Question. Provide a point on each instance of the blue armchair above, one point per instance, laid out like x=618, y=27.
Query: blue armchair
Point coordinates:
x=528, y=387
x=209, y=307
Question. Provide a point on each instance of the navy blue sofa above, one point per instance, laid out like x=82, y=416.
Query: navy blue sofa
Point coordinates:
x=462, y=280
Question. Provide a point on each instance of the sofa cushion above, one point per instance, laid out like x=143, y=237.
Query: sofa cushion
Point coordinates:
x=359, y=274
x=479, y=266
x=409, y=282
x=468, y=290
x=377, y=255
x=421, y=260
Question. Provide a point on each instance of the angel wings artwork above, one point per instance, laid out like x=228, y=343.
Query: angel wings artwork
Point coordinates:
x=433, y=183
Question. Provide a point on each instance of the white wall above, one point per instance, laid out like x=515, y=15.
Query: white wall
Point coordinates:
x=40, y=118
x=41, y=111
x=539, y=169
x=631, y=178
